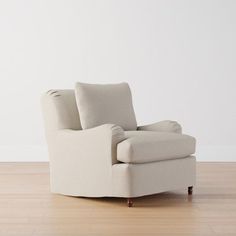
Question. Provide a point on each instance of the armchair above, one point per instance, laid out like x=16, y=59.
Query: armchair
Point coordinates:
x=108, y=161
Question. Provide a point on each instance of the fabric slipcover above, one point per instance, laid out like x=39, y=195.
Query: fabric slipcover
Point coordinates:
x=148, y=146
x=135, y=180
x=87, y=162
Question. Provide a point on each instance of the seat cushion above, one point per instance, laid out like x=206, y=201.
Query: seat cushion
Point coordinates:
x=100, y=104
x=148, y=146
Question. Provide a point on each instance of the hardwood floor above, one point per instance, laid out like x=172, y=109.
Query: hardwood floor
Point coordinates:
x=28, y=208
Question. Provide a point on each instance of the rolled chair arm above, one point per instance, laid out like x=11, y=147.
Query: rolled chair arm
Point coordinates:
x=103, y=138
x=163, y=126
x=83, y=158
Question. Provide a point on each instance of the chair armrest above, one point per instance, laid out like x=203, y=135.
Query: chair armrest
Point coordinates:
x=90, y=143
x=81, y=160
x=163, y=126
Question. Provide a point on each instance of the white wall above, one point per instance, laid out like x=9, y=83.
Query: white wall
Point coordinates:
x=178, y=56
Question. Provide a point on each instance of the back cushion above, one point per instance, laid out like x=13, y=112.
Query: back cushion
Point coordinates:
x=105, y=104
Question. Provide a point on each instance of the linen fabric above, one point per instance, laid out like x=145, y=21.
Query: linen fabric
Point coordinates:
x=147, y=146
x=105, y=104
x=87, y=162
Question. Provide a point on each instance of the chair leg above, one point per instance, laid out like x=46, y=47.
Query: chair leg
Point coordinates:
x=129, y=202
x=190, y=190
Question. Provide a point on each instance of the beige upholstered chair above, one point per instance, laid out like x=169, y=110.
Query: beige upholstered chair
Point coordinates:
x=106, y=160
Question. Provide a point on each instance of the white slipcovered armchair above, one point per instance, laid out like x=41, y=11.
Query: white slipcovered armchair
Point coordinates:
x=107, y=161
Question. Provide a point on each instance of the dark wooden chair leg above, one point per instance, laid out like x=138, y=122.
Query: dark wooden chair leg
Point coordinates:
x=129, y=202
x=190, y=190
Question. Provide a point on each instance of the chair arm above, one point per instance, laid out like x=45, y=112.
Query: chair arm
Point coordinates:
x=91, y=143
x=163, y=126
x=81, y=160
